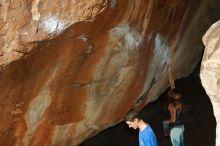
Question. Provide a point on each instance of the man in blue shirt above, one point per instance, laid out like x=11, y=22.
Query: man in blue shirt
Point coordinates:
x=146, y=134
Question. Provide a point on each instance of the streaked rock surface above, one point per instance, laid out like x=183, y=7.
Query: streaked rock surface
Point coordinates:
x=70, y=69
x=210, y=71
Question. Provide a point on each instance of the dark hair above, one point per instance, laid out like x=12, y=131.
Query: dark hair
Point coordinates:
x=173, y=93
x=131, y=115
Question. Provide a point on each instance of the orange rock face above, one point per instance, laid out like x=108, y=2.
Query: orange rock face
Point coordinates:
x=71, y=68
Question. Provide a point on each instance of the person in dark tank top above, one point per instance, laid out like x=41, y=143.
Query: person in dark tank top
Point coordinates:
x=175, y=123
x=173, y=126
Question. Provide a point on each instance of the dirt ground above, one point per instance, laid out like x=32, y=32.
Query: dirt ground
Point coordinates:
x=198, y=119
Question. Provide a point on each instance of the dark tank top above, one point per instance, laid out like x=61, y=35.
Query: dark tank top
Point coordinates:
x=178, y=121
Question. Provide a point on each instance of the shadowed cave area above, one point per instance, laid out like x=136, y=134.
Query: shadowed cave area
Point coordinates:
x=198, y=118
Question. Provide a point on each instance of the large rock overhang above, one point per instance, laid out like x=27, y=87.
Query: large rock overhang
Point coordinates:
x=69, y=69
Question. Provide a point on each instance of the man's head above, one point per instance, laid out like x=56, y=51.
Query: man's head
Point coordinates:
x=132, y=119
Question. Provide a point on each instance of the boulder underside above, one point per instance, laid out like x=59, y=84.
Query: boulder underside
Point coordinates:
x=69, y=69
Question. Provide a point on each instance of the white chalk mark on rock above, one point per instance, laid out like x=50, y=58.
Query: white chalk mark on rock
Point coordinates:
x=52, y=24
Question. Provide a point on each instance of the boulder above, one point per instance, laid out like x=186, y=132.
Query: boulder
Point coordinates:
x=210, y=71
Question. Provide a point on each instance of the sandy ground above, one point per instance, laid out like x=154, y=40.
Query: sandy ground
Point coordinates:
x=198, y=119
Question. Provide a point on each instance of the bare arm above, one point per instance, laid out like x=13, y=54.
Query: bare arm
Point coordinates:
x=170, y=76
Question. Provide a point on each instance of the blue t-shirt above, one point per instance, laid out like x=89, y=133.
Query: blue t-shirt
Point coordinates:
x=147, y=137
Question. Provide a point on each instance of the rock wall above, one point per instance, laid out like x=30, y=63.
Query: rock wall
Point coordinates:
x=69, y=69
x=210, y=71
